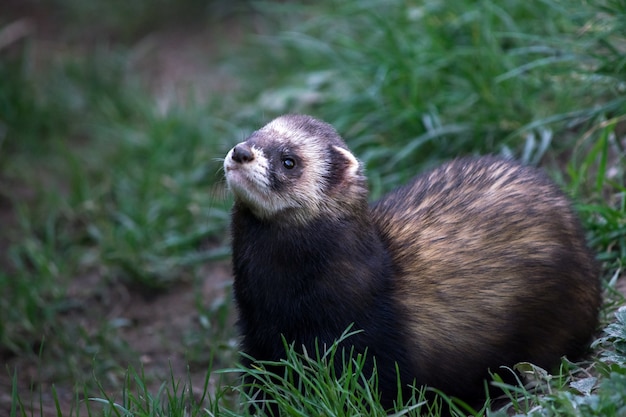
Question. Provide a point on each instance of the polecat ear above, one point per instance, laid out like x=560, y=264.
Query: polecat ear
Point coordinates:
x=352, y=163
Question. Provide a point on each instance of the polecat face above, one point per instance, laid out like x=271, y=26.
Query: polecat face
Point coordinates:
x=295, y=166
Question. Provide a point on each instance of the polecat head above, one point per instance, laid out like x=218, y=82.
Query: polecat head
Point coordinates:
x=296, y=168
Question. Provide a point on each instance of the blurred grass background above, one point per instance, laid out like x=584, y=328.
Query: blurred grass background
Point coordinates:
x=114, y=117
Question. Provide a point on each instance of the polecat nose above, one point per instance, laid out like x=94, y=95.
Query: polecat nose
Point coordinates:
x=242, y=153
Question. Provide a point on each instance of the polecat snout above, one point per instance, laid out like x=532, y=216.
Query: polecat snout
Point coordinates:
x=474, y=265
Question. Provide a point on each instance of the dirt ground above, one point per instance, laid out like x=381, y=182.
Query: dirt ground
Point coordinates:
x=154, y=328
x=173, y=63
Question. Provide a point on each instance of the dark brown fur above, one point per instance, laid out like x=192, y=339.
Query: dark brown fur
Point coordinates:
x=477, y=264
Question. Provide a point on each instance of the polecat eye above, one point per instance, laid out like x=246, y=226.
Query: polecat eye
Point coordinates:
x=289, y=163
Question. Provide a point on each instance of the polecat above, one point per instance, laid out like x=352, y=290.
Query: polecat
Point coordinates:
x=474, y=265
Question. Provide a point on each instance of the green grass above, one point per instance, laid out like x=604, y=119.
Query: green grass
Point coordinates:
x=105, y=189
x=415, y=85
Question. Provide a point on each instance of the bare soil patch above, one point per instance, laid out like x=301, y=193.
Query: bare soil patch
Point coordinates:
x=153, y=327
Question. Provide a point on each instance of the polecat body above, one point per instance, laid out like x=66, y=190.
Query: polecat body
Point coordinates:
x=477, y=264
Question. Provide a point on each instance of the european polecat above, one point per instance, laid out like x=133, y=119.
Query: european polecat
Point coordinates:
x=474, y=265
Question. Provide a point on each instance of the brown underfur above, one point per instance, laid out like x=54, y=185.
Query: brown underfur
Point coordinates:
x=490, y=258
